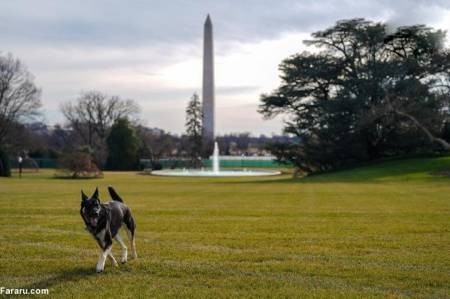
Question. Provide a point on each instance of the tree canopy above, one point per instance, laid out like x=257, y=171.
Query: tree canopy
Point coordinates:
x=366, y=92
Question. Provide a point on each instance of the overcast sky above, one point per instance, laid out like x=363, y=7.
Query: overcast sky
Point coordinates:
x=151, y=51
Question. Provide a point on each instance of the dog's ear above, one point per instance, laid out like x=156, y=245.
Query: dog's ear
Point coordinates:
x=83, y=197
x=95, y=195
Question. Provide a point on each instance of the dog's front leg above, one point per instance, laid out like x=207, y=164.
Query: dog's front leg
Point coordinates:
x=106, y=247
x=110, y=255
x=102, y=259
x=112, y=259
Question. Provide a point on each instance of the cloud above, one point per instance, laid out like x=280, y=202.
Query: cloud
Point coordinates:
x=133, y=23
x=151, y=50
x=233, y=90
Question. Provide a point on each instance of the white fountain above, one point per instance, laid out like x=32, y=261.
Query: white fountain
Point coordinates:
x=215, y=171
x=215, y=159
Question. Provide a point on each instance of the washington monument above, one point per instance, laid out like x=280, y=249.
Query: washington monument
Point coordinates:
x=208, y=87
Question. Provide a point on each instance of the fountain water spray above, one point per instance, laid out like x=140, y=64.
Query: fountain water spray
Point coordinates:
x=215, y=159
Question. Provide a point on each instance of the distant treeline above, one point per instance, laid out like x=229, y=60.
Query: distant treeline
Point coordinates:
x=40, y=141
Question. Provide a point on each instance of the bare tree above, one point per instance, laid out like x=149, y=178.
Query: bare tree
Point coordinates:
x=92, y=115
x=157, y=144
x=19, y=97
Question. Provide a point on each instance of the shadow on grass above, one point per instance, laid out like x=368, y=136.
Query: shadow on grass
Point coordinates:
x=62, y=177
x=72, y=275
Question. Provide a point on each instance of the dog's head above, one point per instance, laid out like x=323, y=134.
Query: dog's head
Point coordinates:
x=90, y=208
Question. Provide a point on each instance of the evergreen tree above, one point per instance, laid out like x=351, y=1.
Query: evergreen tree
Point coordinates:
x=367, y=93
x=123, y=146
x=194, y=129
x=5, y=167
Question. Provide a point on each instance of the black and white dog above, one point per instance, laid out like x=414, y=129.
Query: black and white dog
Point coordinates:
x=103, y=221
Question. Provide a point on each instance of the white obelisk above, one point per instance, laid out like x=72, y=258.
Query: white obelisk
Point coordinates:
x=208, y=85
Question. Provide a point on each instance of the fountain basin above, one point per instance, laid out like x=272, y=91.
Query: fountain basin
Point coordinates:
x=210, y=173
x=215, y=172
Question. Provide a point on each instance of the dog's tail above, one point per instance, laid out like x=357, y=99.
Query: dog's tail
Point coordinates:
x=114, y=194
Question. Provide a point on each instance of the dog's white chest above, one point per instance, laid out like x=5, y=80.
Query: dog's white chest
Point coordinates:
x=100, y=236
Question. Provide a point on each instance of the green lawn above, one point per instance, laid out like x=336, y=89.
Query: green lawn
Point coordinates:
x=377, y=231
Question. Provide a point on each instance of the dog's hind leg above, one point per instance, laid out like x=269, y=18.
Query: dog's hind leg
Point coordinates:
x=133, y=244
x=123, y=247
x=130, y=227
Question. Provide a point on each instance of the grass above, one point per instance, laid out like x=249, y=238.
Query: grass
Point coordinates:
x=376, y=231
